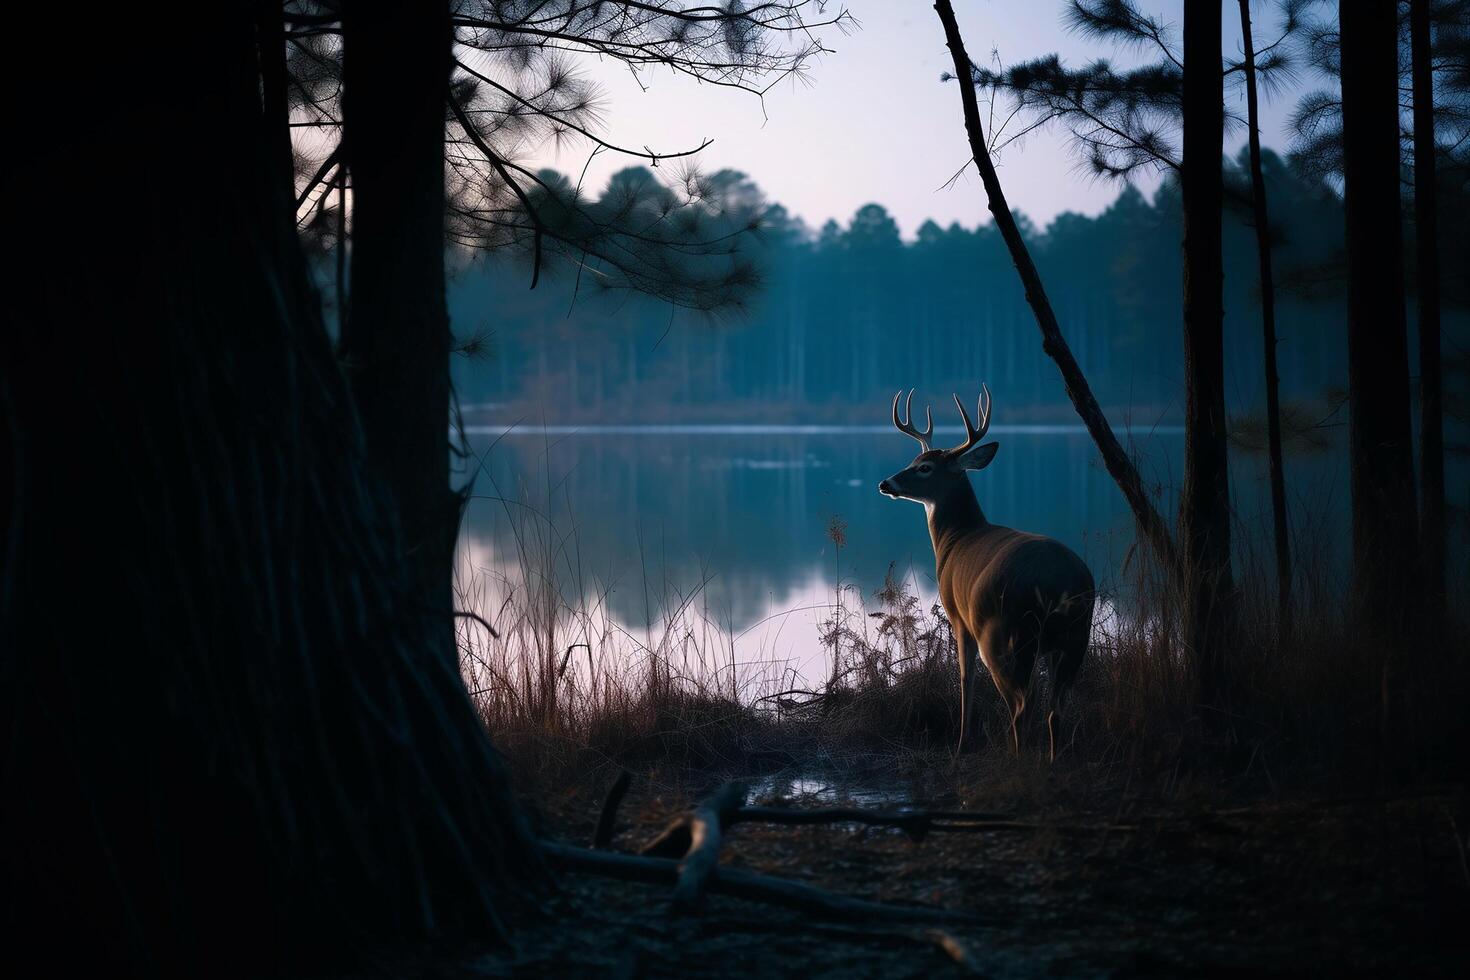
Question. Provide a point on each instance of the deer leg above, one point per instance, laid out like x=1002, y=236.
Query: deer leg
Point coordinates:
x=1066, y=660
x=1022, y=655
x=1053, y=719
x=1016, y=701
x=1061, y=680
x=997, y=647
x=966, y=648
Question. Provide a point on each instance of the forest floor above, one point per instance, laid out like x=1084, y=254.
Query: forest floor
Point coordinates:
x=1093, y=884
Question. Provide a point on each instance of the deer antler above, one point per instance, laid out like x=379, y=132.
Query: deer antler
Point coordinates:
x=982, y=412
x=906, y=425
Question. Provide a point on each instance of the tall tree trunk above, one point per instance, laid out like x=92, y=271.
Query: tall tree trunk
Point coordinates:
x=270, y=42
x=1385, y=528
x=225, y=738
x=1261, y=216
x=1426, y=232
x=395, y=342
x=1205, y=500
x=1151, y=527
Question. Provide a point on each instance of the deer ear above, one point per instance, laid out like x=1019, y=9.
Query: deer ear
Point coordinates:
x=979, y=457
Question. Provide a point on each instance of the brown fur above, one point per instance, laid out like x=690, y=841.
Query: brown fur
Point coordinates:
x=1011, y=596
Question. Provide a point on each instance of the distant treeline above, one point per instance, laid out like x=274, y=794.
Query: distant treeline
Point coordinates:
x=844, y=316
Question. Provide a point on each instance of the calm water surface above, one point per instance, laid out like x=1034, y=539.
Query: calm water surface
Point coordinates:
x=738, y=520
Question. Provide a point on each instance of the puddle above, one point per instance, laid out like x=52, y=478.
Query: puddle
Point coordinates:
x=842, y=790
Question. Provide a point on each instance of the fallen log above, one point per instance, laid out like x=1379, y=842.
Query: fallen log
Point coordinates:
x=967, y=815
x=607, y=819
x=706, y=826
x=999, y=826
x=696, y=838
x=677, y=837
x=916, y=823
x=740, y=883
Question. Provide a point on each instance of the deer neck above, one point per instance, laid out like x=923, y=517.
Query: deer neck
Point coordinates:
x=953, y=516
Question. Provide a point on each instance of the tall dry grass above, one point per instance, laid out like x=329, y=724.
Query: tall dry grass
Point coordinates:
x=566, y=689
x=564, y=686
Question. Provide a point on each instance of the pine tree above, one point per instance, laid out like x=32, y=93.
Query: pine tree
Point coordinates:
x=1385, y=526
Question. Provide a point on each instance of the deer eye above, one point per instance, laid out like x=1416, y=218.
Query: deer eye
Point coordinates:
x=926, y=468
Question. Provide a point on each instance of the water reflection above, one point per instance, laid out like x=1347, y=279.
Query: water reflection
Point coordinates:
x=734, y=521
x=811, y=788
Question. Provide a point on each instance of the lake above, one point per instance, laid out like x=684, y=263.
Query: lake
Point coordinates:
x=736, y=522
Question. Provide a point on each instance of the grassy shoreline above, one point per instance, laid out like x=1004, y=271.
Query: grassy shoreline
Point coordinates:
x=568, y=695
x=1315, y=825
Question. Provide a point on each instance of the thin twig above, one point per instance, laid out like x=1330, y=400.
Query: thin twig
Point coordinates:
x=607, y=819
x=465, y=614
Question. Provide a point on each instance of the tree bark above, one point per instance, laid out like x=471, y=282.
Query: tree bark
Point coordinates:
x=1385, y=527
x=225, y=741
x=1426, y=234
x=1262, y=219
x=395, y=340
x=1151, y=527
x=1205, y=499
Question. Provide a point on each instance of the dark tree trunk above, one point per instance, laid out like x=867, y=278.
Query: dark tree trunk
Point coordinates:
x=395, y=340
x=1426, y=231
x=1385, y=528
x=1262, y=219
x=1151, y=527
x=270, y=39
x=1205, y=501
x=226, y=737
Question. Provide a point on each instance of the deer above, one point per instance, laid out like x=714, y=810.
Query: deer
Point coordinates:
x=1010, y=595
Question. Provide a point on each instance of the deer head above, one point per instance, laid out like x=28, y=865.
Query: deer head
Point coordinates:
x=935, y=473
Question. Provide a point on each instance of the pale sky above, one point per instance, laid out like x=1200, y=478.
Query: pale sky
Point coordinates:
x=876, y=124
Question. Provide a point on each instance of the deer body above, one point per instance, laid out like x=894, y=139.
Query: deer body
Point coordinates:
x=1011, y=596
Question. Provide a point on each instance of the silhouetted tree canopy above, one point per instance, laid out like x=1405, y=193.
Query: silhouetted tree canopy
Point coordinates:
x=520, y=84
x=1121, y=120
x=1317, y=117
